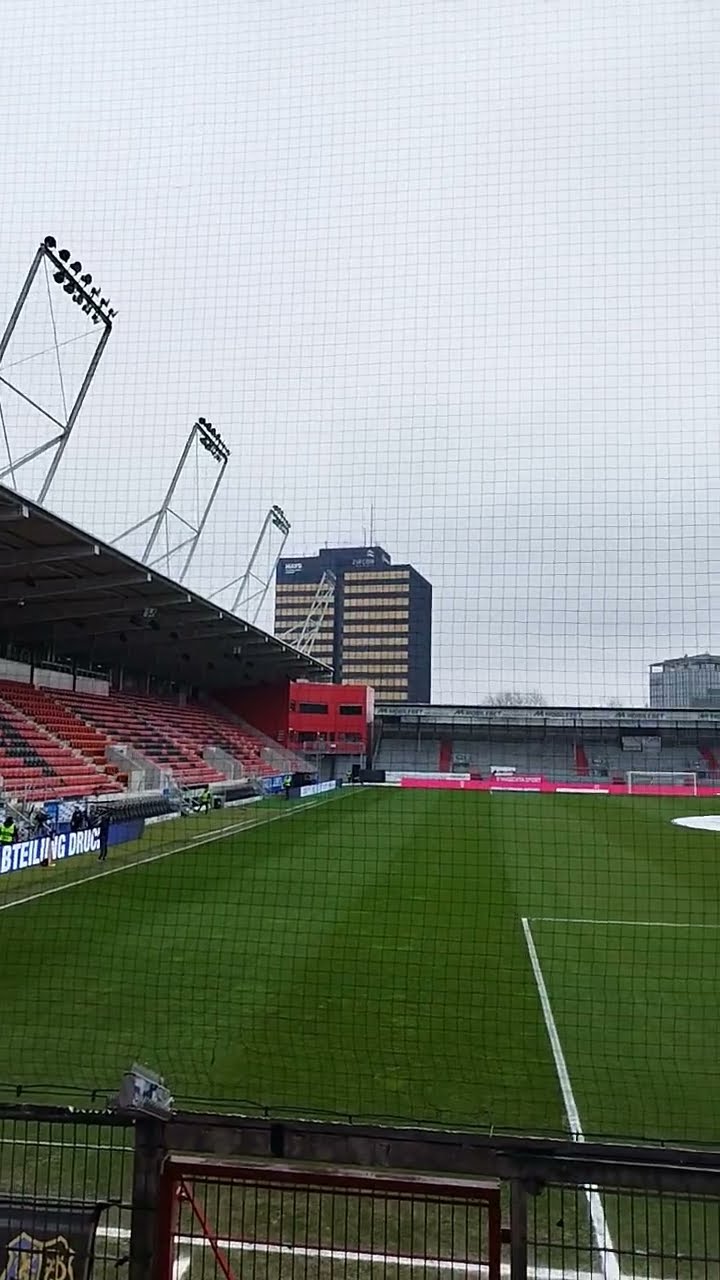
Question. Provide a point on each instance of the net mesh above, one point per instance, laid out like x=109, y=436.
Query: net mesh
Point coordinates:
x=445, y=283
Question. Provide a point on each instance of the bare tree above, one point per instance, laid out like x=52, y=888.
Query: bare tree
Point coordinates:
x=517, y=698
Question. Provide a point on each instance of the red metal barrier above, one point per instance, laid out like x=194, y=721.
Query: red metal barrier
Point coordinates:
x=269, y=1218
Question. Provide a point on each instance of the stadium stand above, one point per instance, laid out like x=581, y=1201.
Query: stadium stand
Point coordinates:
x=710, y=759
x=86, y=726
x=38, y=765
x=583, y=749
x=145, y=727
x=611, y=760
x=173, y=736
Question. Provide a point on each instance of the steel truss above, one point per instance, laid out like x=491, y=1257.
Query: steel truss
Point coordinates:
x=202, y=435
x=56, y=265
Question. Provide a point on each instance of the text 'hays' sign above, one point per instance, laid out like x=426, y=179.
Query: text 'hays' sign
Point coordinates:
x=33, y=853
x=46, y=1241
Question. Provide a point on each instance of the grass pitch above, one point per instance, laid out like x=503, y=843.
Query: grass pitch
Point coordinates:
x=366, y=956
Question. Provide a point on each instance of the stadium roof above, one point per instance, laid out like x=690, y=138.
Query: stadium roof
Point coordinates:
x=99, y=606
x=456, y=720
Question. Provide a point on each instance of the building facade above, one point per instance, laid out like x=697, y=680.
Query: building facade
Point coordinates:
x=691, y=681
x=330, y=719
x=377, y=628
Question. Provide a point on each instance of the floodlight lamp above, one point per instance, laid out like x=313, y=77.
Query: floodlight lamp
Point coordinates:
x=86, y=279
x=202, y=422
x=76, y=266
x=59, y=277
x=279, y=519
x=50, y=242
x=69, y=287
x=64, y=254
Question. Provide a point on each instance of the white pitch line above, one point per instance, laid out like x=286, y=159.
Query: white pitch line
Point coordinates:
x=603, y=1240
x=328, y=1254
x=636, y=924
x=181, y=1265
x=167, y=853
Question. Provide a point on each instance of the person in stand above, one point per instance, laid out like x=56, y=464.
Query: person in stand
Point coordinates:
x=7, y=830
x=41, y=822
x=104, y=825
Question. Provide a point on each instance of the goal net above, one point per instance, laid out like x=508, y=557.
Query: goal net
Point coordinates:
x=653, y=778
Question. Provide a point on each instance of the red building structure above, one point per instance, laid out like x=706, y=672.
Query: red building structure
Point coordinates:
x=330, y=719
x=314, y=719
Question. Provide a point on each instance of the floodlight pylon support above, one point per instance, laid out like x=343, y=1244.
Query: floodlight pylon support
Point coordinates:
x=253, y=586
x=204, y=434
x=304, y=634
x=85, y=387
x=98, y=310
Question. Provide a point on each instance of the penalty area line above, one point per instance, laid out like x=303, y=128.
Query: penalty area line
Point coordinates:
x=633, y=924
x=195, y=843
x=601, y=1232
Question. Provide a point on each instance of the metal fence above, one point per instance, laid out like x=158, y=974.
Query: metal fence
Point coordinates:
x=264, y=1219
x=208, y=1197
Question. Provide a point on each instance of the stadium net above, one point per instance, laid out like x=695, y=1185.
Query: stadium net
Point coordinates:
x=413, y=324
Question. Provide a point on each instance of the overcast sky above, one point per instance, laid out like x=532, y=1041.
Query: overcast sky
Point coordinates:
x=456, y=261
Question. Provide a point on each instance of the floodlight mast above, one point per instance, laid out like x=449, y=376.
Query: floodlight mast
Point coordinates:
x=203, y=433
x=252, y=580
x=98, y=309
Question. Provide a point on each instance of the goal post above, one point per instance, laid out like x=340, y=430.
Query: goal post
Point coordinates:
x=687, y=780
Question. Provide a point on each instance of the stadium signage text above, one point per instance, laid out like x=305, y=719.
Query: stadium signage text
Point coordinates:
x=32, y=853
x=317, y=788
x=273, y=786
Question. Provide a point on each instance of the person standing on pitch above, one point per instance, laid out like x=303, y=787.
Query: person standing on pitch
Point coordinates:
x=104, y=825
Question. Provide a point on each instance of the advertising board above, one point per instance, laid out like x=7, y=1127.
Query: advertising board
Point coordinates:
x=33, y=853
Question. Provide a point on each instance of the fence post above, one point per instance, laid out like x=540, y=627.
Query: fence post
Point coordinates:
x=518, y=1230
x=148, y=1156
